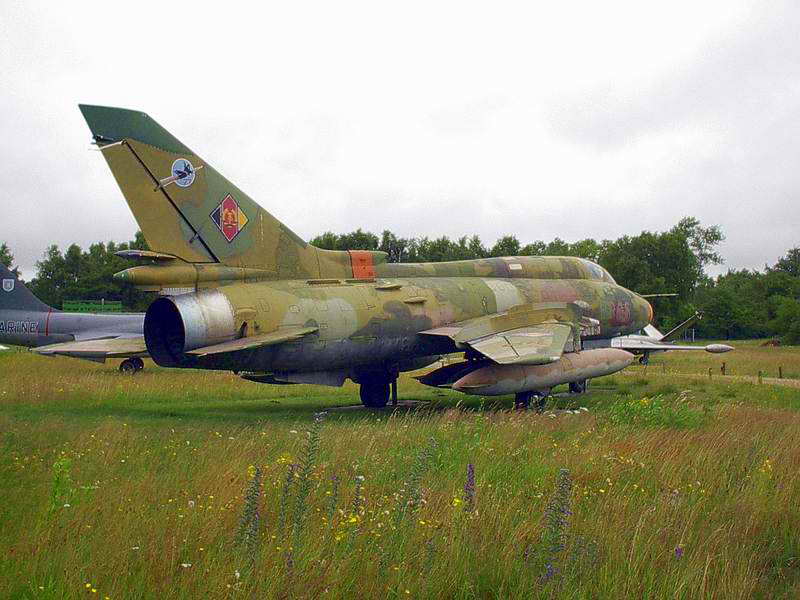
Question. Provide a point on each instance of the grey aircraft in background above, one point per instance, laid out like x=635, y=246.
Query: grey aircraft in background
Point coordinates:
x=27, y=321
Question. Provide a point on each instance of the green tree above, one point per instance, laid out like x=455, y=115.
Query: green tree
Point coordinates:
x=6, y=258
x=506, y=246
x=787, y=321
x=702, y=240
x=393, y=246
x=326, y=241
x=789, y=264
x=79, y=275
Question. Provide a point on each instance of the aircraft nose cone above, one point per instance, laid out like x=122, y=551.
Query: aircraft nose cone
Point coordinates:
x=643, y=311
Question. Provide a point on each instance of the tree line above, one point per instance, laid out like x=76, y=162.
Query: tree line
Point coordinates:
x=738, y=304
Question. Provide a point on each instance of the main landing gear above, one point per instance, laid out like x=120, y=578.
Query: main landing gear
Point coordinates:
x=522, y=400
x=377, y=388
x=131, y=366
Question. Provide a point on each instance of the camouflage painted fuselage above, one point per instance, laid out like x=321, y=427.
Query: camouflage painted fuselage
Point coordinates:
x=363, y=326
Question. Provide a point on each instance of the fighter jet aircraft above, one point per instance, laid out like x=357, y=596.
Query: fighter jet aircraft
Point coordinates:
x=243, y=293
x=27, y=321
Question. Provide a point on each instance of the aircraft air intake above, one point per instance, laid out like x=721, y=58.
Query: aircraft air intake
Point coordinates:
x=174, y=325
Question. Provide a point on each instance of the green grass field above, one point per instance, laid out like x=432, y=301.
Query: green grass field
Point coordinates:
x=749, y=357
x=177, y=484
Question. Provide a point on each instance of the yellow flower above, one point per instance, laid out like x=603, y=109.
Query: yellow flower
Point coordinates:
x=251, y=471
x=456, y=501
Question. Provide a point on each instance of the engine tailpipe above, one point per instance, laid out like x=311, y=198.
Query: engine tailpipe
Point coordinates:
x=173, y=325
x=499, y=380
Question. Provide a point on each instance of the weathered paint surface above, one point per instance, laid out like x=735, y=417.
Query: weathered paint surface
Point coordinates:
x=361, y=325
x=497, y=380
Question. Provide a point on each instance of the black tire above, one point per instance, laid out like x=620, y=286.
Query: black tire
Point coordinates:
x=127, y=366
x=374, y=391
x=522, y=400
x=138, y=363
x=578, y=387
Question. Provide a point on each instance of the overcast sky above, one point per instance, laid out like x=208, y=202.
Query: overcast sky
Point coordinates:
x=538, y=119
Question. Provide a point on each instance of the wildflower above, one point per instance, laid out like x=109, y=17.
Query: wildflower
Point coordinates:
x=237, y=574
x=469, y=488
x=678, y=552
x=186, y=565
x=251, y=471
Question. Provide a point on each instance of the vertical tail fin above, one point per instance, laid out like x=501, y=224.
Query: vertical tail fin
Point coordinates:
x=184, y=207
x=15, y=296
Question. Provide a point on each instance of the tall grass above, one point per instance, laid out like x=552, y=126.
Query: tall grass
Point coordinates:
x=644, y=506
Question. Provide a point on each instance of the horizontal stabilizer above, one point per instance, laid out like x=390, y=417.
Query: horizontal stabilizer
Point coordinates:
x=97, y=348
x=280, y=336
x=145, y=255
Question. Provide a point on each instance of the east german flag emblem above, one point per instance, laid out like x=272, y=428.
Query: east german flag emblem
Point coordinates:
x=229, y=218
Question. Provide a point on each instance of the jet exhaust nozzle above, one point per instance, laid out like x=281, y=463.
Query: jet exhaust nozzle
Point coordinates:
x=173, y=325
x=499, y=380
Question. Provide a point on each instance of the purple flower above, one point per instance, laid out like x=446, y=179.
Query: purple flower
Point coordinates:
x=469, y=489
x=678, y=552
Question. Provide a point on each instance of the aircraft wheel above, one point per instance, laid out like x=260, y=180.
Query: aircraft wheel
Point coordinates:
x=578, y=387
x=138, y=363
x=374, y=391
x=522, y=400
x=127, y=366
x=541, y=400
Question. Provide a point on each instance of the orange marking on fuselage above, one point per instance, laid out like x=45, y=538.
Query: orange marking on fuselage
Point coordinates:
x=363, y=266
x=47, y=323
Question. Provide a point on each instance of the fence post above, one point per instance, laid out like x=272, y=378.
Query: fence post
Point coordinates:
x=780, y=372
x=723, y=368
x=760, y=377
x=709, y=372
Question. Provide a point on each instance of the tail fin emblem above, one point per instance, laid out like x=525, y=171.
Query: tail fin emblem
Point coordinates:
x=229, y=218
x=183, y=173
x=8, y=285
